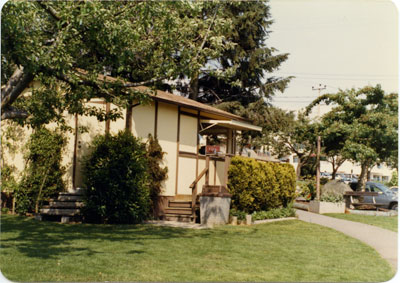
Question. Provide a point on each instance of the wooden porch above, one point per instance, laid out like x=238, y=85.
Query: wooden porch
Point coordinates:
x=183, y=207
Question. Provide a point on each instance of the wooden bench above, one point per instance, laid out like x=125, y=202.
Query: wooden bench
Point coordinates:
x=356, y=199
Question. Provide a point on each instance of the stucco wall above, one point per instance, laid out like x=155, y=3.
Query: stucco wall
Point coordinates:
x=88, y=128
x=186, y=175
x=119, y=124
x=143, y=117
x=167, y=132
x=188, y=134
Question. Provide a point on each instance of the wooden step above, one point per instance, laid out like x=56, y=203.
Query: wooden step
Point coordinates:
x=178, y=211
x=62, y=212
x=69, y=198
x=65, y=204
x=183, y=197
x=70, y=194
x=180, y=203
x=179, y=218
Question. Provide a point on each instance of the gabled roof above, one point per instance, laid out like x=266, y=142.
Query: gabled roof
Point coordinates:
x=167, y=97
x=170, y=98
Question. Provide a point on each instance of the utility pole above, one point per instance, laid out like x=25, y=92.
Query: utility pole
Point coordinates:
x=319, y=88
x=318, y=167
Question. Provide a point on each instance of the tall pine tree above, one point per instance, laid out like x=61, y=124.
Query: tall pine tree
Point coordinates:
x=247, y=65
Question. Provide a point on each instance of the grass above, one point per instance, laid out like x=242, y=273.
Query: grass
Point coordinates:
x=386, y=222
x=281, y=251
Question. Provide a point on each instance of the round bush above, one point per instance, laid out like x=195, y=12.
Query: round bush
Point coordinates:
x=257, y=186
x=116, y=176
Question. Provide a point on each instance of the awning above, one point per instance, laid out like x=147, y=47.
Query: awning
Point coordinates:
x=232, y=124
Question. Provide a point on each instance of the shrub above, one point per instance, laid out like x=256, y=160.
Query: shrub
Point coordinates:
x=333, y=191
x=257, y=186
x=116, y=180
x=8, y=182
x=307, y=189
x=5, y=210
x=324, y=180
x=274, y=213
x=43, y=173
x=394, y=181
x=156, y=173
x=241, y=215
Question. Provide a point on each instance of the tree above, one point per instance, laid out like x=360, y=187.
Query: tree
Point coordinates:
x=367, y=118
x=240, y=73
x=66, y=45
x=333, y=135
x=296, y=136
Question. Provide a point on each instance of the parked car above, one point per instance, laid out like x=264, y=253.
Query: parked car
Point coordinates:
x=385, y=195
x=394, y=189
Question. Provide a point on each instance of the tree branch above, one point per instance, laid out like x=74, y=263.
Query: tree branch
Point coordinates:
x=49, y=10
x=19, y=81
x=12, y=113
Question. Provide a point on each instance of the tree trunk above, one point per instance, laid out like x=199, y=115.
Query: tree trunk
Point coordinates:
x=363, y=177
x=40, y=191
x=298, y=169
x=194, y=87
x=334, y=171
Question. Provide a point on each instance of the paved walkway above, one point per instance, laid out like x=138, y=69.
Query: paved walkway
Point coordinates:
x=382, y=240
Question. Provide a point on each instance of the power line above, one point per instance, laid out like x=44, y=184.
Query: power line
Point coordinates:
x=340, y=75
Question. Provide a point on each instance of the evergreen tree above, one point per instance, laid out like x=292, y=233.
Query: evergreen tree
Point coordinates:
x=247, y=64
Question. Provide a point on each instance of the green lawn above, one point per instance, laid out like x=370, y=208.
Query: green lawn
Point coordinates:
x=280, y=251
x=386, y=222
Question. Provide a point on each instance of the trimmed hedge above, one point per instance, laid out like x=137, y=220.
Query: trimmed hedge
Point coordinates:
x=257, y=186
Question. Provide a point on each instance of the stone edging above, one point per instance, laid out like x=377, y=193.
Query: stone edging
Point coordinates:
x=273, y=220
x=372, y=212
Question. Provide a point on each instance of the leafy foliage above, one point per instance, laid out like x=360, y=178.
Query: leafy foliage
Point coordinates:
x=307, y=189
x=43, y=173
x=241, y=215
x=274, y=213
x=157, y=174
x=246, y=64
x=116, y=180
x=259, y=186
x=362, y=127
x=144, y=42
x=8, y=182
x=394, y=181
x=331, y=198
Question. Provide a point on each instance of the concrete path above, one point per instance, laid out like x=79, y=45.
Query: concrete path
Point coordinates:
x=382, y=240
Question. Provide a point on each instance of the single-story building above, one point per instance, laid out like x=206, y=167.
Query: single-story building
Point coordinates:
x=179, y=124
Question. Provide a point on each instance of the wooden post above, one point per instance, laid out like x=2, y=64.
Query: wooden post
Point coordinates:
x=194, y=198
x=74, y=160
x=226, y=169
x=128, y=118
x=108, y=109
x=208, y=169
x=318, y=167
x=155, y=119
x=177, y=149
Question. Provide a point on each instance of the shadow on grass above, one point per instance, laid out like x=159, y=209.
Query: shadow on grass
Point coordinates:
x=48, y=239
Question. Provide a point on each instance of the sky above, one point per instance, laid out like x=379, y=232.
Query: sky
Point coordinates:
x=338, y=43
